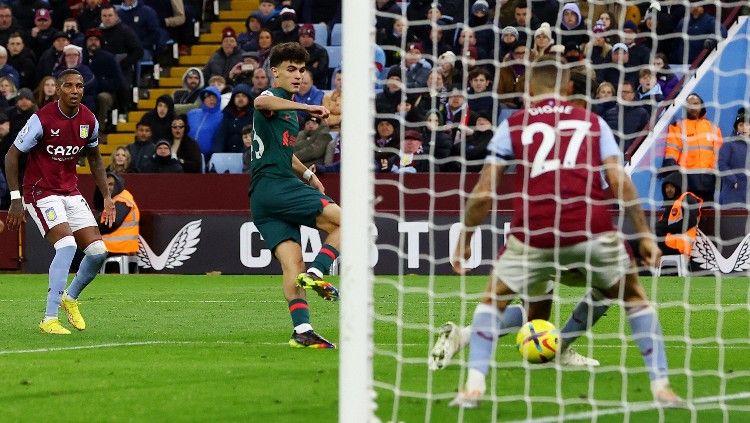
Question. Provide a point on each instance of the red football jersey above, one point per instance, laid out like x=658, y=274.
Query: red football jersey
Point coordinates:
x=559, y=150
x=54, y=142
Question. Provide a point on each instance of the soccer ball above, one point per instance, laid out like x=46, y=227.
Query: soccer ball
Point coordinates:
x=537, y=341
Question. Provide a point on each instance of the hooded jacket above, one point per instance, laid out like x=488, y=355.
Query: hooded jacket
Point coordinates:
x=248, y=40
x=569, y=35
x=145, y=23
x=733, y=165
x=221, y=63
x=186, y=95
x=690, y=213
x=205, y=121
x=121, y=208
x=228, y=137
x=161, y=128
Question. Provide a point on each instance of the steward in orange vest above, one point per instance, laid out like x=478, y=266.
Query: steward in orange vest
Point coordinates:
x=122, y=237
x=677, y=226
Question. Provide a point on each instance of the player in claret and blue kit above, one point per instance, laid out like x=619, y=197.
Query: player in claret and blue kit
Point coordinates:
x=54, y=138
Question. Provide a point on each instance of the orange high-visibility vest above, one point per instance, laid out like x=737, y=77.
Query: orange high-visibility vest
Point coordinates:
x=693, y=144
x=124, y=240
x=683, y=242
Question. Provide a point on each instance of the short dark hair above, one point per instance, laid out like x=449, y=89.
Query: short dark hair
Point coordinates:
x=65, y=73
x=142, y=123
x=631, y=84
x=293, y=52
x=479, y=71
x=16, y=35
x=247, y=129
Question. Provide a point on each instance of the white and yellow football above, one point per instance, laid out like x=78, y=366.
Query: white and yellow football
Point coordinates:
x=537, y=341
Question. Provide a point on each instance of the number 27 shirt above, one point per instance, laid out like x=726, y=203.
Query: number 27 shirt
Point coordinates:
x=54, y=142
x=560, y=149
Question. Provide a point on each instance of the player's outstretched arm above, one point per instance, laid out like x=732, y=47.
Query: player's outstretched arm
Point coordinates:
x=16, y=215
x=308, y=175
x=271, y=103
x=624, y=190
x=100, y=177
x=477, y=208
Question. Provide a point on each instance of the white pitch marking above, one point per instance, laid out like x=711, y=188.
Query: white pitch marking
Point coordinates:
x=117, y=344
x=637, y=407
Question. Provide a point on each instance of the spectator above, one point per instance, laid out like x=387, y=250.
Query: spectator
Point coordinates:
x=392, y=39
x=332, y=102
x=677, y=224
x=446, y=65
x=435, y=44
x=411, y=157
x=9, y=90
x=467, y=47
x=192, y=84
x=265, y=43
x=220, y=83
x=46, y=91
x=434, y=137
x=310, y=94
x=70, y=28
x=185, y=149
x=121, y=41
x=384, y=22
x=242, y=72
x=609, y=26
x=205, y=120
x=649, y=92
x=288, y=31
x=159, y=119
x=542, y=41
x=312, y=141
x=108, y=76
x=693, y=145
x=639, y=53
x=42, y=33
x=178, y=20
x=508, y=39
x=7, y=25
x=53, y=55
x=121, y=237
x=318, y=63
x=162, y=160
x=659, y=27
x=597, y=49
x=72, y=60
x=408, y=113
x=144, y=22
x=458, y=116
x=22, y=111
x=666, y=79
x=525, y=22
x=225, y=57
x=22, y=59
x=247, y=153
x=5, y=143
x=91, y=15
x=612, y=73
x=627, y=119
x=142, y=148
x=605, y=98
x=390, y=97
x=733, y=164
x=260, y=83
x=699, y=28
x=475, y=147
x=480, y=98
x=416, y=69
x=512, y=82
x=268, y=14
x=237, y=115
x=572, y=27
x=248, y=40
x=386, y=142
x=479, y=20
x=6, y=69
x=121, y=160
x=436, y=96
x=417, y=11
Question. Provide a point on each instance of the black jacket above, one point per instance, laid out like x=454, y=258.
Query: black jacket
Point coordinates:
x=140, y=154
x=626, y=123
x=318, y=65
x=121, y=208
x=120, y=39
x=25, y=64
x=159, y=164
x=228, y=138
x=689, y=210
x=104, y=67
x=161, y=128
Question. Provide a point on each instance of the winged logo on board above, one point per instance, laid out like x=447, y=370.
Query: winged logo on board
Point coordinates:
x=179, y=250
x=709, y=257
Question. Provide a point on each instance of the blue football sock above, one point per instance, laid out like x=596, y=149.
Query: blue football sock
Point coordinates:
x=647, y=334
x=90, y=266
x=65, y=249
x=488, y=324
x=578, y=323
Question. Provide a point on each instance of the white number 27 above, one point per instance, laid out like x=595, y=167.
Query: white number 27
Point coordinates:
x=549, y=136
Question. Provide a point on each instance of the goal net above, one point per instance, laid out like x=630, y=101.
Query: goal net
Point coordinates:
x=444, y=75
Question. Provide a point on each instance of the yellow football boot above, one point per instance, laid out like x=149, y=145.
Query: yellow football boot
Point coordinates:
x=54, y=327
x=70, y=306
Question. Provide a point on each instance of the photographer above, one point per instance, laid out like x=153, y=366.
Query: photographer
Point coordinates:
x=242, y=72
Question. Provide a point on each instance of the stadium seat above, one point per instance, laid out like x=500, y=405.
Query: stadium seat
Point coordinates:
x=225, y=163
x=677, y=260
x=321, y=33
x=336, y=34
x=123, y=261
x=334, y=56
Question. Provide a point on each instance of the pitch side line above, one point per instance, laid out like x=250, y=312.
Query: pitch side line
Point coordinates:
x=118, y=344
x=637, y=407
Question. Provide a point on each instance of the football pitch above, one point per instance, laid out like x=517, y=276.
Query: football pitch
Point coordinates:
x=214, y=348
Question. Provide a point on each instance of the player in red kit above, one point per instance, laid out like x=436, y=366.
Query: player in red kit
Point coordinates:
x=54, y=138
x=561, y=220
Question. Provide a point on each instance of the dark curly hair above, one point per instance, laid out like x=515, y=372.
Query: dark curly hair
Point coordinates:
x=293, y=52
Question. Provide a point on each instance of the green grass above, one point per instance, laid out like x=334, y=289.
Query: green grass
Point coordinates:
x=203, y=348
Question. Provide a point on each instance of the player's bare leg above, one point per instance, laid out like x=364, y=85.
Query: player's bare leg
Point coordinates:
x=486, y=326
x=289, y=254
x=647, y=335
x=329, y=221
x=61, y=238
x=95, y=252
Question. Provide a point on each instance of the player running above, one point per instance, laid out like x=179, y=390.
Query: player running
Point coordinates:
x=560, y=220
x=54, y=138
x=280, y=202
